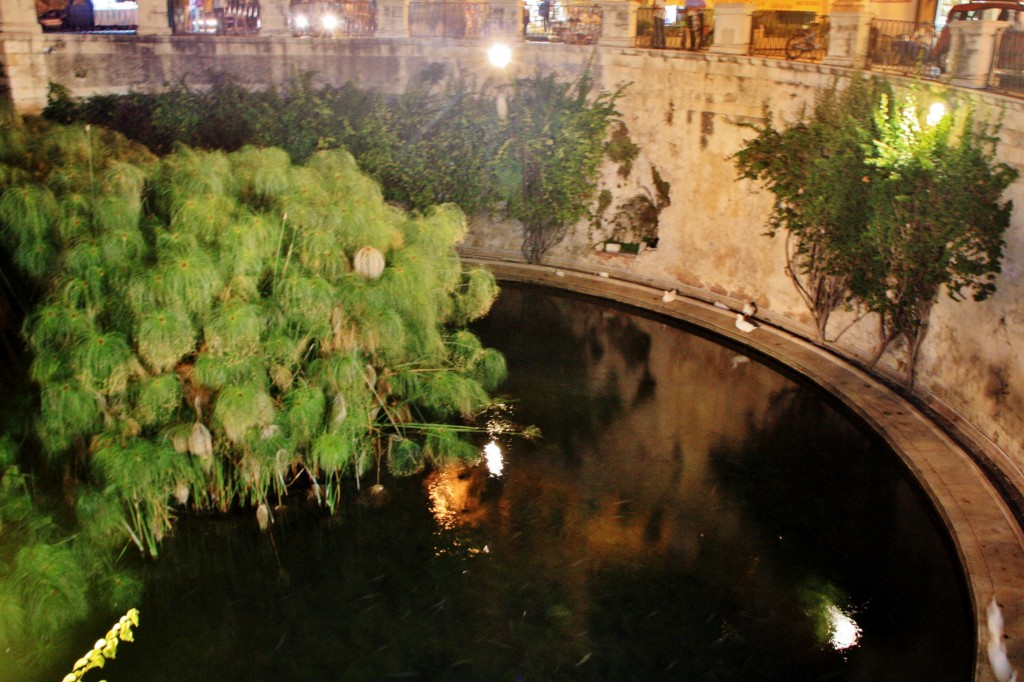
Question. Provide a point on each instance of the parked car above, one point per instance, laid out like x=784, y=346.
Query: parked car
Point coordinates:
x=994, y=10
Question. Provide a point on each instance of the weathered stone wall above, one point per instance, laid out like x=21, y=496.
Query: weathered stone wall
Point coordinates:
x=970, y=361
x=685, y=111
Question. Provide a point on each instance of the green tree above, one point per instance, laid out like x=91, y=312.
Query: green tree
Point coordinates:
x=815, y=168
x=554, y=145
x=429, y=146
x=881, y=212
x=937, y=220
x=213, y=326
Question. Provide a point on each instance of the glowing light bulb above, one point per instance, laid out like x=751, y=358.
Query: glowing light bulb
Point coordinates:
x=499, y=55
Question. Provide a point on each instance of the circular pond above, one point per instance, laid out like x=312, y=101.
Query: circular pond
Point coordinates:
x=690, y=513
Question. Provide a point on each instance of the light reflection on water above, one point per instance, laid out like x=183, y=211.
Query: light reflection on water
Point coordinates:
x=845, y=633
x=686, y=515
x=493, y=458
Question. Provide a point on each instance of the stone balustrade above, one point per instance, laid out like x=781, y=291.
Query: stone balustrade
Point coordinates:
x=968, y=65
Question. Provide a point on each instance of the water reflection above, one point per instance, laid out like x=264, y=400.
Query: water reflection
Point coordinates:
x=642, y=410
x=493, y=458
x=456, y=497
x=844, y=631
x=691, y=460
x=686, y=516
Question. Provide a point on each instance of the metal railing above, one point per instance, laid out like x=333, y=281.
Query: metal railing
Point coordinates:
x=237, y=17
x=773, y=30
x=449, y=19
x=241, y=17
x=1007, y=71
x=578, y=24
x=333, y=19
x=691, y=30
x=905, y=47
x=909, y=48
x=650, y=26
x=536, y=24
x=80, y=16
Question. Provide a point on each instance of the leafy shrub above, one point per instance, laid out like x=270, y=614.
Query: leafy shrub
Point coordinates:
x=201, y=333
x=434, y=144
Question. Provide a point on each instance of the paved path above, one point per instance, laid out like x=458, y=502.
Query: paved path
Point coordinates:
x=986, y=535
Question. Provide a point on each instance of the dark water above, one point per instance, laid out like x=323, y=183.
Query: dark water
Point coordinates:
x=689, y=514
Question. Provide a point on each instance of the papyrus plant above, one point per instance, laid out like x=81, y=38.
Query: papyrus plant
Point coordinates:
x=199, y=334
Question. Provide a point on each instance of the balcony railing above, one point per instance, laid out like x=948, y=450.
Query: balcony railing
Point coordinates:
x=334, y=19
x=237, y=17
x=81, y=16
x=690, y=30
x=241, y=17
x=449, y=19
x=905, y=47
x=1008, y=63
x=578, y=24
x=909, y=48
x=773, y=30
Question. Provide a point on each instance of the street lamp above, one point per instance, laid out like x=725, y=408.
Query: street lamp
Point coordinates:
x=500, y=56
x=935, y=113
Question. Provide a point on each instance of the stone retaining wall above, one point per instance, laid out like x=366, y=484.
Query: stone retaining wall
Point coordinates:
x=685, y=110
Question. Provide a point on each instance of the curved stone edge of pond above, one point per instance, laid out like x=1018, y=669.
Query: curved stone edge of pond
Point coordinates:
x=987, y=537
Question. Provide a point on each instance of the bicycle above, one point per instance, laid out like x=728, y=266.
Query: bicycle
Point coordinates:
x=808, y=39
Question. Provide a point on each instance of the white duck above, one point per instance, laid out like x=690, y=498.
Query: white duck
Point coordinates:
x=669, y=296
x=749, y=309
x=745, y=325
x=997, y=657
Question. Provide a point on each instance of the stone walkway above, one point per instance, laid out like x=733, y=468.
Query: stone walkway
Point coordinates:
x=986, y=535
